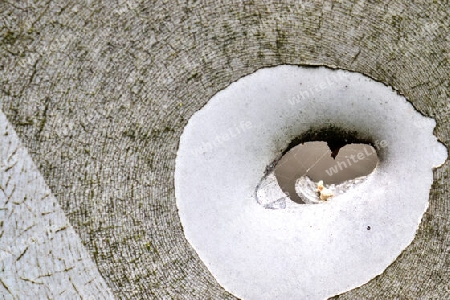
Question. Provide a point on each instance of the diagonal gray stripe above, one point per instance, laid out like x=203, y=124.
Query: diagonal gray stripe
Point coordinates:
x=41, y=256
x=100, y=91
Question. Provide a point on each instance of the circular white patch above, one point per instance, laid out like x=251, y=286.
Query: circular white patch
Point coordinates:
x=305, y=251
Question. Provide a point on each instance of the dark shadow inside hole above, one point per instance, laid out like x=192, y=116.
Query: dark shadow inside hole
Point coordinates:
x=329, y=154
x=334, y=136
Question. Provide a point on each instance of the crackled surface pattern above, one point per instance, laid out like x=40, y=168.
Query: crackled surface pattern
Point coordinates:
x=41, y=256
x=99, y=93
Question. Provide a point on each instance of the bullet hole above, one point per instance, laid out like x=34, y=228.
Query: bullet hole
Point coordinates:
x=330, y=154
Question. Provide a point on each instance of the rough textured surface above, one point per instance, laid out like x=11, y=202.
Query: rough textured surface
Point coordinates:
x=99, y=92
x=41, y=256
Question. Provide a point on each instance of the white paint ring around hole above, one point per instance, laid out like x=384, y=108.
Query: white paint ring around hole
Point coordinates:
x=311, y=252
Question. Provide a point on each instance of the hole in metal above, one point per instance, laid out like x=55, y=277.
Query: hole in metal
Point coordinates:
x=317, y=161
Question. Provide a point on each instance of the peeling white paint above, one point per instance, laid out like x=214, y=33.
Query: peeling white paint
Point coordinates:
x=41, y=256
x=312, y=251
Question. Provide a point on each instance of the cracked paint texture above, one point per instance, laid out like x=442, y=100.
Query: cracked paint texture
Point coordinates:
x=41, y=256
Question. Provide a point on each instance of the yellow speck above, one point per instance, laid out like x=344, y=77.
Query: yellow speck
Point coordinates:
x=323, y=191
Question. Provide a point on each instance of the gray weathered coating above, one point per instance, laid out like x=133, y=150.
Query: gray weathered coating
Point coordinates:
x=100, y=91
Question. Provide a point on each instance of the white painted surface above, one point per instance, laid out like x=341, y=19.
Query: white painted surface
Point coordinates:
x=311, y=251
x=41, y=256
